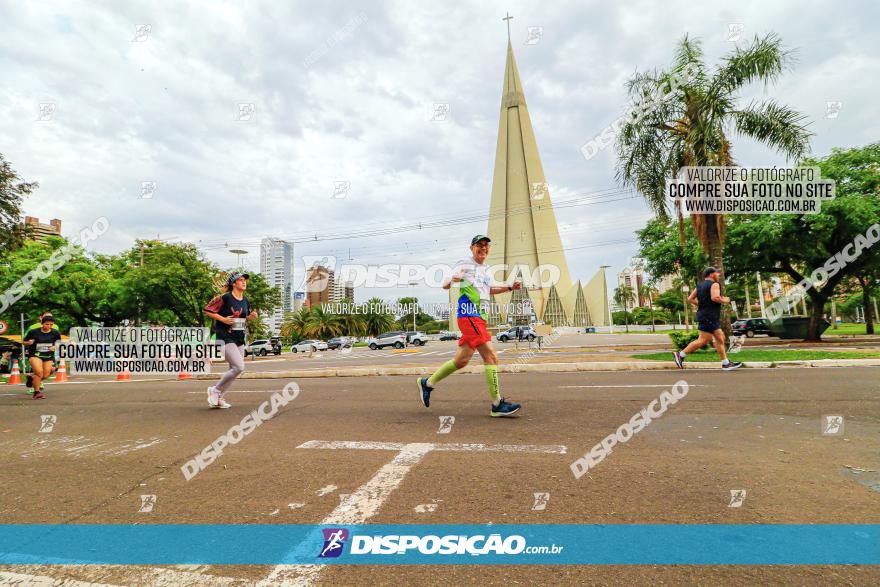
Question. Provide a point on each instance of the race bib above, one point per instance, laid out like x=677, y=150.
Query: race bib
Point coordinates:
x=239, y=323
x=43, y=347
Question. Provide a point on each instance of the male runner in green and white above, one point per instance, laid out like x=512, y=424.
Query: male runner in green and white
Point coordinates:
x=476, y=286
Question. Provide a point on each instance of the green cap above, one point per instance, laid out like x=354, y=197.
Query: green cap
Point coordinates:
x=480, y=237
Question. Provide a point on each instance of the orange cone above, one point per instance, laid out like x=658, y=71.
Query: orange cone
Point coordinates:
x=61, y=374
x=124, y=375
x=184, y=375
x=15, y=376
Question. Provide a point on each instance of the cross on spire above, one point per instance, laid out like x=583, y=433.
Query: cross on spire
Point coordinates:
x=507, y=18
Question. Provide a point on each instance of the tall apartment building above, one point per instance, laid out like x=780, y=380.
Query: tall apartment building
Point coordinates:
x=634, y=278
x=39, y=231
x=276, y=265
x=342, y=291
x=299, y=300
x=320, y=286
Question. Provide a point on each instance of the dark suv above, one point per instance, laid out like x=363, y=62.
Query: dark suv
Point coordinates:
x=750, y=327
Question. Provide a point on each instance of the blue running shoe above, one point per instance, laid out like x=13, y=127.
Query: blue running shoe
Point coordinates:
x=424, y=391
x=504, y=408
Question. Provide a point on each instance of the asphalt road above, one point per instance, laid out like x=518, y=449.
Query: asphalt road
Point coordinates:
x=757, y=430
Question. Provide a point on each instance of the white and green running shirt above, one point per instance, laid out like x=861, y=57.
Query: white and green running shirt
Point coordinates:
x=476, y=283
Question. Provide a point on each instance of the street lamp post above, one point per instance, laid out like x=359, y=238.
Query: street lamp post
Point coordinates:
x=685, y=290
x=238, y=253
x=414, y=306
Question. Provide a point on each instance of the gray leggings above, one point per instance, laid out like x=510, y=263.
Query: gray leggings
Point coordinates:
x=234, y=355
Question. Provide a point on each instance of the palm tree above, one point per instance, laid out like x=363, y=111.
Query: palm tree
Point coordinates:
x=293, y=325
x=322, y=324
x=648, y=291
x=353, y=324
x=376, y=321
x=690, y=126
x=623, y=295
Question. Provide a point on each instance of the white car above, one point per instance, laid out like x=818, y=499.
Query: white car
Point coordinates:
x=396, y=338
x=309, y=345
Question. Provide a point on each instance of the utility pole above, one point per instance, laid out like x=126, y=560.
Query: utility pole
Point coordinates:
x=761, y=295
x=748, y=303
x=833, y=312
x=139, y=301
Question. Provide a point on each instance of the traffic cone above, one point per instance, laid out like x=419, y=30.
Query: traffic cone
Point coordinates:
x=184, y=375
x=61, y=374
x=15, y=376
x=124, y=375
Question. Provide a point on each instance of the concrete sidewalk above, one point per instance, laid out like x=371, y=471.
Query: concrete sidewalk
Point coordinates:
x=542, y=368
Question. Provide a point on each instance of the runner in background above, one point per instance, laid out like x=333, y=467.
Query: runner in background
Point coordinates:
x=230, y=312
x=40, y=348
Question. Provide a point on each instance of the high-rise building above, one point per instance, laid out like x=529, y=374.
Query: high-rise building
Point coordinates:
x=320, y=286
x=523, y=229
x=276, y=266
x=39, y=231
x=339, y=290
x=633, y=278
x=299, y=300
x=665, y=283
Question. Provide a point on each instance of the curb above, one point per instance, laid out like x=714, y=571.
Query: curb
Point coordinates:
x=544, y=368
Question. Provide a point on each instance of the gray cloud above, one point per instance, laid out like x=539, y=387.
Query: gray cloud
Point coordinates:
x=165, y=110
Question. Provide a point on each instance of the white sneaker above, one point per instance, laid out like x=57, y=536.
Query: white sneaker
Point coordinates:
x=213, y=398
x=222, y=403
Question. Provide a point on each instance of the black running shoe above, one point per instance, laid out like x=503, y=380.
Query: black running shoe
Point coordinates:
x=731, y=366
x=424, y=391
x=678, y=360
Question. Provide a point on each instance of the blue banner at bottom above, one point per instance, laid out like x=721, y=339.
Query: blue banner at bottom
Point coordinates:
x=538, y=544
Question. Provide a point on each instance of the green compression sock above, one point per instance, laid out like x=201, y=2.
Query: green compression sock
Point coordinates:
x=492, y=381
x=445, y=370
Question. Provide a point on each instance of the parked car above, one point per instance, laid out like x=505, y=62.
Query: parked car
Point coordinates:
x=305, y=346
x=416, y=338
x=340, y=342
x=261, y=348
x=396, y=338
x=517, y=333
x=276, y=344
x=447, y=335
x=750, y=327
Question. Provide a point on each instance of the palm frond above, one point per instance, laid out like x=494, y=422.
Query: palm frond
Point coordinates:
x=765, y=59
x=775, y=125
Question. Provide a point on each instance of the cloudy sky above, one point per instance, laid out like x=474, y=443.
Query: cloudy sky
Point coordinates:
x=344, y=91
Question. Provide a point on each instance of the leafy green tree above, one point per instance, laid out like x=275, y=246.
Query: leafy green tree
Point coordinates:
x=662, y=251
x=12, y=192
x=670, y=300
x=74, y=291
x=377, y=321
x=165, y=283
x=264, y=298
x=691, y=126
x=799, y=244
x=405, y=322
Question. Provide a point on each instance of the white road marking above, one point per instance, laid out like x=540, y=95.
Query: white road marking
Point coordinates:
x=646, y=385
x=325, y=490
x=366, y=500
x=446, y=424
x=158, y=577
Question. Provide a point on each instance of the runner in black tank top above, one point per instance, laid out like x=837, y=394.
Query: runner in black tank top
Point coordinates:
x=708, y=299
